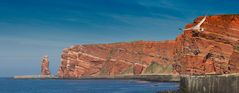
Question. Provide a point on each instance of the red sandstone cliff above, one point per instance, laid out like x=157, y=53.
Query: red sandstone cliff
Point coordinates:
x=213, y=51
x=45, y=66
x=141, y=57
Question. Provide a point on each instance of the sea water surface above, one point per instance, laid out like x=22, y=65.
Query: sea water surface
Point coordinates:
x=9, y=85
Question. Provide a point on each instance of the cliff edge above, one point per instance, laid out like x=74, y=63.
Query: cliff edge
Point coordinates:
x=213, y=51
x=128, y=58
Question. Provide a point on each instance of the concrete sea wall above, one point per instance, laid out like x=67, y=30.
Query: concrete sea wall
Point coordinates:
x=210, y=84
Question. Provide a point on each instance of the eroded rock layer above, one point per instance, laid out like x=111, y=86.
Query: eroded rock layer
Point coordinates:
x=141, y=57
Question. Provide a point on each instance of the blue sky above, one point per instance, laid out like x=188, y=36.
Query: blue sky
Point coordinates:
x=30, y=29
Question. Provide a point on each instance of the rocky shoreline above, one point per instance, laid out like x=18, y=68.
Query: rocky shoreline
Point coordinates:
x=153, y=78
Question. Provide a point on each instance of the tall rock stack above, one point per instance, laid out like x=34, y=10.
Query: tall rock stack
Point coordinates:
x=45, y=66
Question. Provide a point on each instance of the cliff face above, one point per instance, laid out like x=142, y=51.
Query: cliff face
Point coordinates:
x=141, y=57
x=213, y=51
x=45, y=66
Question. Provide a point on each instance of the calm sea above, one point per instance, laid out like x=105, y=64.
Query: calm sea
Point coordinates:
x=8, y=85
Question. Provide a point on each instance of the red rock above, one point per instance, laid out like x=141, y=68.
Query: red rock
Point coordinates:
x=212, y=51
x=138, y=69
x=115, y=59
x=45, y=66
x=234, y=62
x=209, y=51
